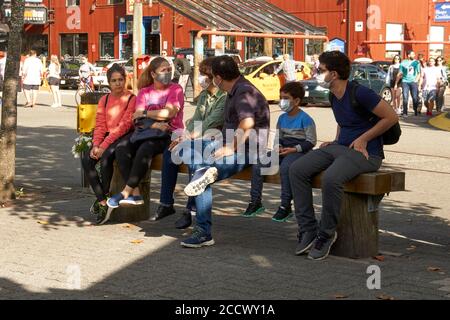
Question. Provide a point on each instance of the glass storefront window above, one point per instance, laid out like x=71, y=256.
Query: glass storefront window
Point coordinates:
x=107, y=45
x=290, y=47
x=36, y=42
x=255, y=47
x=230, y=42
x=74, y=45
x=278, y=47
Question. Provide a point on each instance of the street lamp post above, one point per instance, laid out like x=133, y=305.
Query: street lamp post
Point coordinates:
x=137, y=40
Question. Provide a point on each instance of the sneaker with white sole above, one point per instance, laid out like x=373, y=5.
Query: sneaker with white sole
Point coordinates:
x=198, y=239
x=132, y=200
x=201, y=179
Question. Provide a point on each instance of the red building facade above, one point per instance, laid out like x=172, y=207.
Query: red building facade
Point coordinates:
x=102, y=28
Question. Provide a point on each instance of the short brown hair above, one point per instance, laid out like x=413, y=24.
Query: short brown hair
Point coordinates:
x=206, y=67
x=295, y=89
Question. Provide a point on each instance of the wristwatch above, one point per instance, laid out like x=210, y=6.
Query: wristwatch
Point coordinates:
x=145, y=113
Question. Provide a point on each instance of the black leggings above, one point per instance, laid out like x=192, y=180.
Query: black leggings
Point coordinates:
x=100, y=187
x=135, y=158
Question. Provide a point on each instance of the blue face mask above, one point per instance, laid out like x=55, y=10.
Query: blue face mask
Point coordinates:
x=285, y=105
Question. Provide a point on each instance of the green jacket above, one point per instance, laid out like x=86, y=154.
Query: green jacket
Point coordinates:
x=209, y=110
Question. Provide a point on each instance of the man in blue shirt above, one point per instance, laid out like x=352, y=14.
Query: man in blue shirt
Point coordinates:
x=409, y=73
x=358, y=148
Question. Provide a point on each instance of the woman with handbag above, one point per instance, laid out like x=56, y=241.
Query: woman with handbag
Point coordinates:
x=159, y=111
x=113, y=121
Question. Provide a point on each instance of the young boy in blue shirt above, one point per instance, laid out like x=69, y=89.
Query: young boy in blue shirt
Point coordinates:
x=297, y=135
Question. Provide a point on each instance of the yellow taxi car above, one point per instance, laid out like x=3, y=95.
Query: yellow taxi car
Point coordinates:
x=261, y=74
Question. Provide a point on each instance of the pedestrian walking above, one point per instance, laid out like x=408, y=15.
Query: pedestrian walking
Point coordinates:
x=32, y=72
x=54, y=78
x=442, y=84
x=391, y=79
x=288, y=67
x=410, y=75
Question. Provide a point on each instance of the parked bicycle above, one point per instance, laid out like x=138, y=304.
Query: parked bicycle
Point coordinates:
x=86, y=86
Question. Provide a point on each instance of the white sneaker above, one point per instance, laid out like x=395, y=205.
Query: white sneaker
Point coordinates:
x=201, y=179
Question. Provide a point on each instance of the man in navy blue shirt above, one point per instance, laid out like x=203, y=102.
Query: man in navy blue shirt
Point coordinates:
x=358, y=148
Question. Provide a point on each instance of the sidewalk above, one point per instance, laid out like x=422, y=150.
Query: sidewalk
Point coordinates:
x=52, y=251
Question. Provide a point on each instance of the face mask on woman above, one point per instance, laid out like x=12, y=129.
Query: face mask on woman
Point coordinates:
x=286, y=105
x=164, y=78
x=203, y=82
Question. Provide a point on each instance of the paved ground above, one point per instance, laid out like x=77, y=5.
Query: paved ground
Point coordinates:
x=51, y=250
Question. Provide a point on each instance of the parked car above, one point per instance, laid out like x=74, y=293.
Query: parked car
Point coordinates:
x=260, y=74
x=101, y=76
x=365, y=74
x=69, y=74
x=382, y=64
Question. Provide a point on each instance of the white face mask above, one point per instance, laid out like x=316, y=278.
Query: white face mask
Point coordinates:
x=203, y=81
x=285, y=105
x=321, y=80
x=217, y=84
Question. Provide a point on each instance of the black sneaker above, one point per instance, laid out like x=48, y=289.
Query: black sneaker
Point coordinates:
x=282, y=214
x=185, y=220
x=162, y=212
x=104, y=213
x=95, y=207
x=305, y=241
x=253, y=209
x=322, y=246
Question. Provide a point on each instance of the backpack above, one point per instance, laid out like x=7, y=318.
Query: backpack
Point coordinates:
x=391, y=136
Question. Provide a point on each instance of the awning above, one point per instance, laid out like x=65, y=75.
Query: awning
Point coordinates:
x=239, y=15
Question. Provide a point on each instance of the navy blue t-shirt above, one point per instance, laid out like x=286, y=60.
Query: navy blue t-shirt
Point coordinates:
x=354, y=124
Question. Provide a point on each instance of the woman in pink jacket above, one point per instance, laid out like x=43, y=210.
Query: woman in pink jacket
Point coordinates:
x=113, y=122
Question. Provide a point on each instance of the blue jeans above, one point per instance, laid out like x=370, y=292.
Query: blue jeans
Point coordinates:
x=414, y=88
x=169, y=176
x=226, y=169
x=258, y=181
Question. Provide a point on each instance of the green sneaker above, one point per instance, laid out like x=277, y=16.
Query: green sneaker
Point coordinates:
x=282, y=214
x=253, y=209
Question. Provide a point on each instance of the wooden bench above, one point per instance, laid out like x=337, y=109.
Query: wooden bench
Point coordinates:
x=358, y=224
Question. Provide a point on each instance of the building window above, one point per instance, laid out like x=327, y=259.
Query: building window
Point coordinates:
x=107, y=45
x=36, y=42
x=74, y=45
x=230, y=42
x=394, y=32
x=70, y=3
x=437, y=34
x=255, y=48
x=115, y=1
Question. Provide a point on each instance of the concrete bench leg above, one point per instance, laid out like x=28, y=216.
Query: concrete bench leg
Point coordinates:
x=357, y=229
x=131, y=213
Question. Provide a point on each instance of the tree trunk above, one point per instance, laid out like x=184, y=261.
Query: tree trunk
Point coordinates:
x=9, y=109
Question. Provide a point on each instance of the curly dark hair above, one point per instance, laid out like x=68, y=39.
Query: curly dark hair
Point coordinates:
x=336, y=61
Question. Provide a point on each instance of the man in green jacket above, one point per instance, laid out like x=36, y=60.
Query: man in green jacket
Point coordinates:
x=208, y=113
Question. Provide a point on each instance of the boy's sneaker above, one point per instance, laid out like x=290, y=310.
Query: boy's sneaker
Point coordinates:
x=201, y=179
x=282, y=214
x=185, y=220
x=104, y=213
x=305, y=241
x=162, y=212
x=133, y=200
x=95, y=207
x=253, y=209
x=114, y=201
x=322, y=246
x=198, y=239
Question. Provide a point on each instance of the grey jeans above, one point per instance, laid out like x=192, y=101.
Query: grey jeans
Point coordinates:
x=341, y=164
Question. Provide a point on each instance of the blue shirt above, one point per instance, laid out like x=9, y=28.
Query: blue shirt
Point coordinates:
x=298, y=131
x=353, y=124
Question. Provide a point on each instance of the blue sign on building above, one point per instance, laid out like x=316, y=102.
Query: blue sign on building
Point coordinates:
x=336, y=44
x=442, y=12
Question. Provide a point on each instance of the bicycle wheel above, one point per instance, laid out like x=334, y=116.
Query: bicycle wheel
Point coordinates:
x=78, y=95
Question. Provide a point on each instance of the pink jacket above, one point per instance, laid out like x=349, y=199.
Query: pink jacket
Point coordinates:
x=115, y=119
